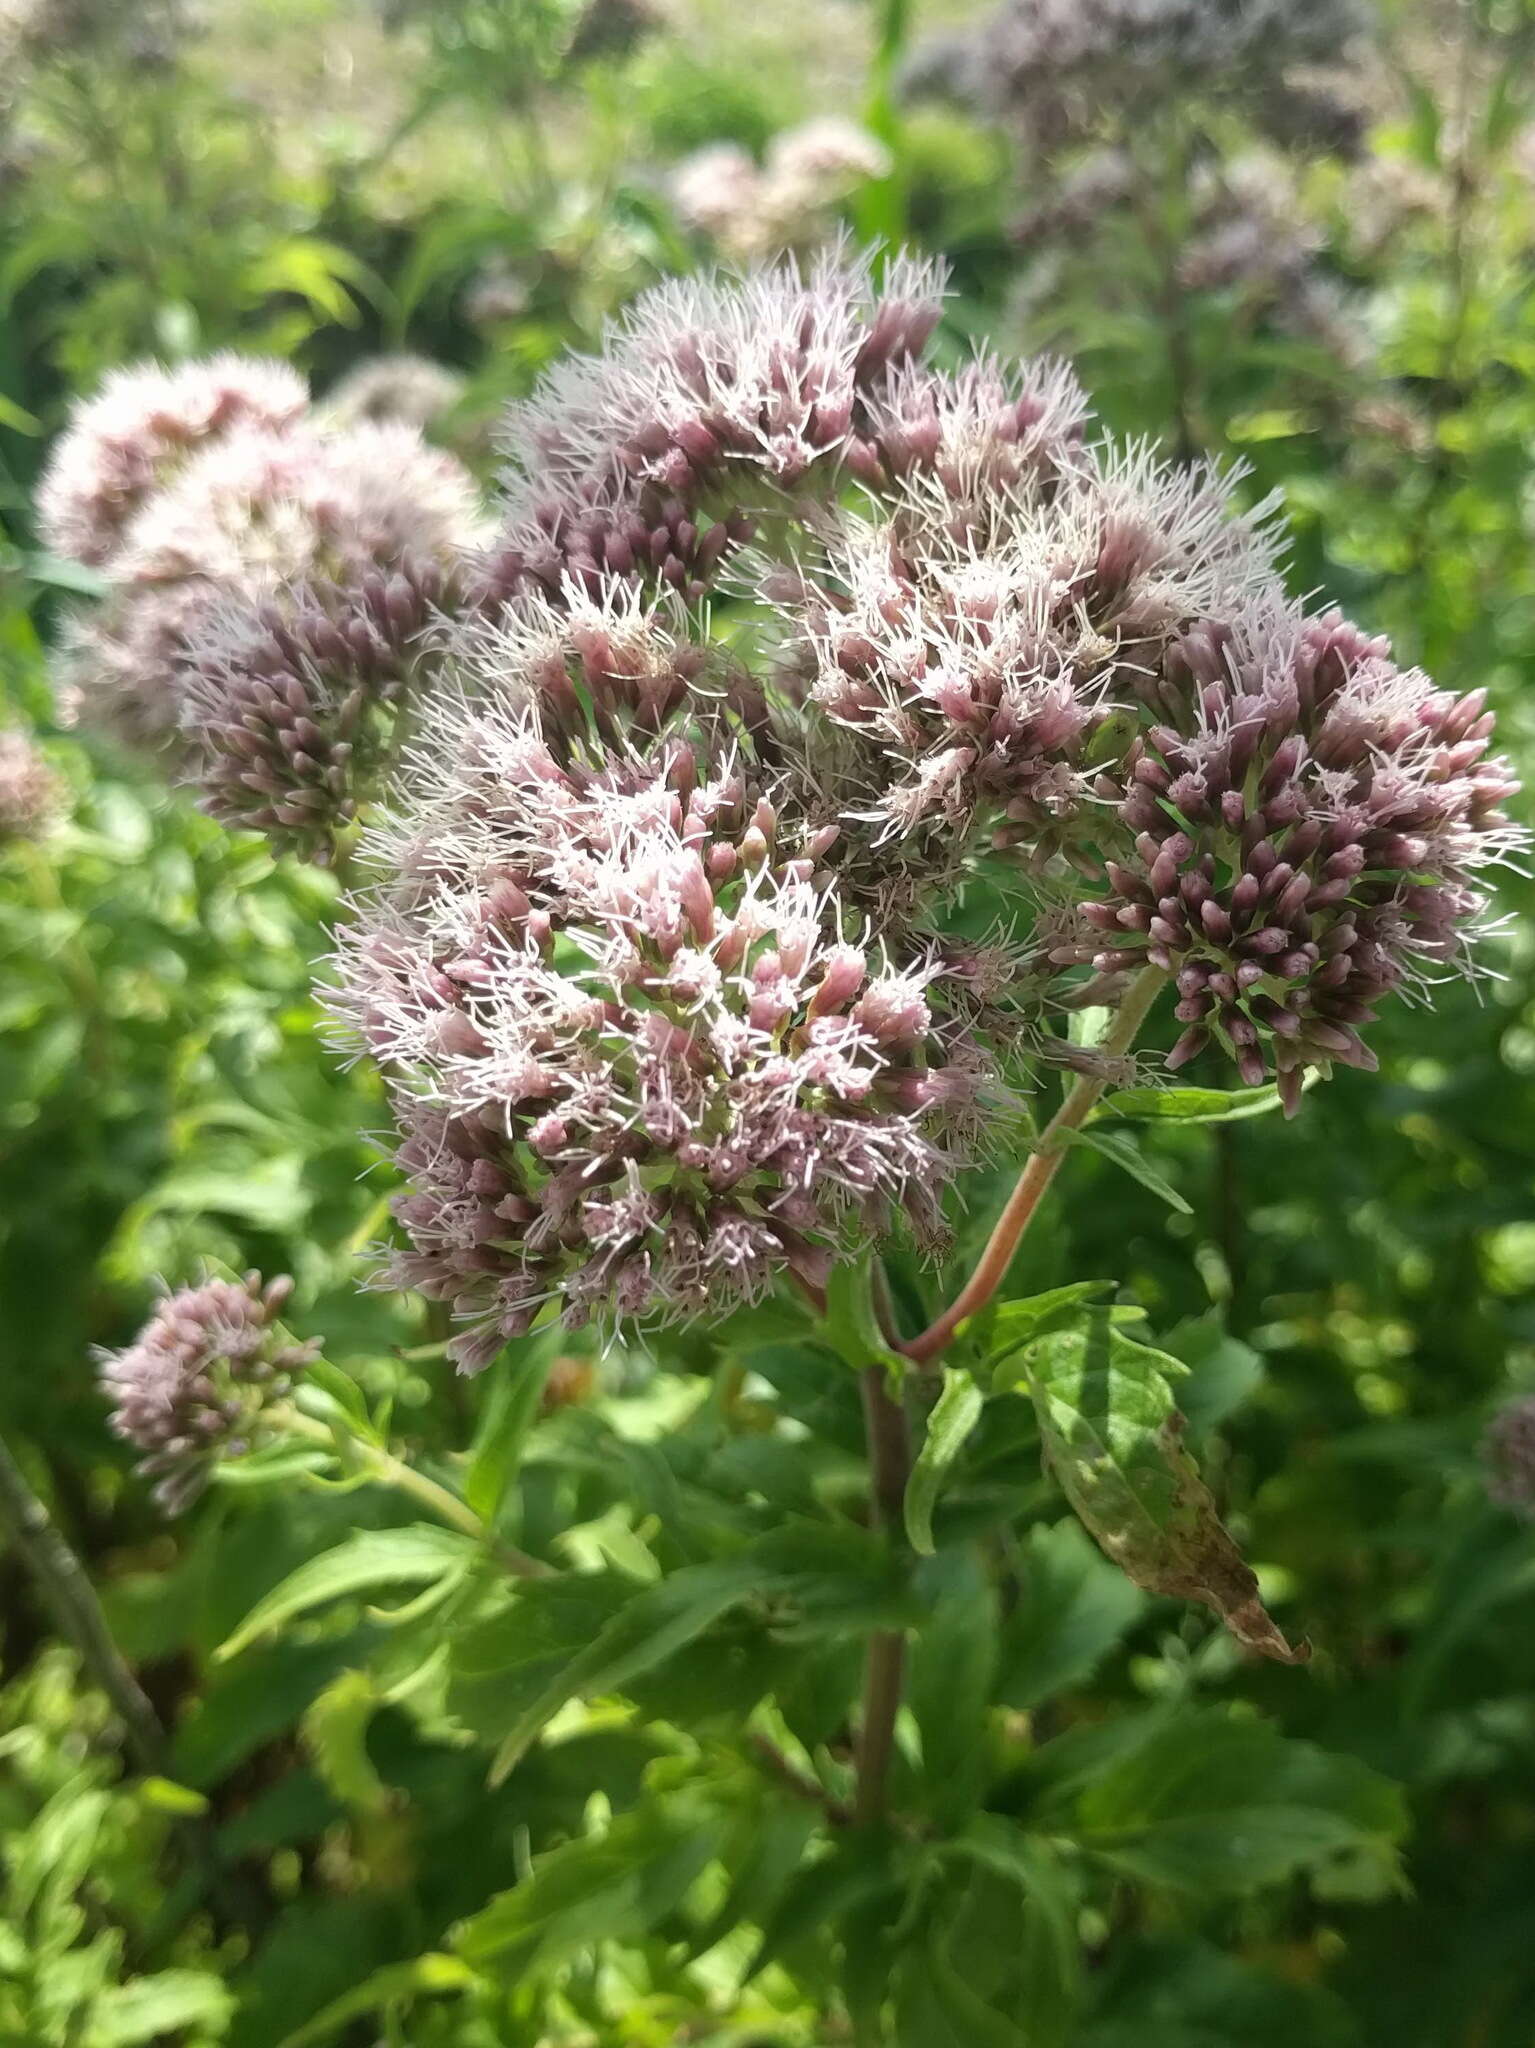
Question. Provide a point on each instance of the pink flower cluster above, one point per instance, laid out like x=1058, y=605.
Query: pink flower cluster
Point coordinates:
x=641, y=1061
x=194, y=1383
x=784, y=634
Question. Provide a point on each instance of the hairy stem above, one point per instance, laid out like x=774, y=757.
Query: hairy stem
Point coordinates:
x=1037, y=1176
x=885, y=1663
x=439, y=1500
x=71, y=1599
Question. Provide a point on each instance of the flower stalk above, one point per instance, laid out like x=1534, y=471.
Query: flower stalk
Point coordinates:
x=1036, y=1176
x=384, y=1469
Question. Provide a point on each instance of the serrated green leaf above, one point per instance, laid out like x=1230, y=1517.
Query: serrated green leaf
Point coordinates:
x=645, y=1631
x=955, y=1414
x=936, y=2008
x=335, y=1733
x=853, y=1873
x=609, y=1887
x=1008, y=1328
x=1050, y=1948
x=1127, y=1158
x=395, y=1984
x=1077, y=1608
x=367, y=1561
x=1212, y=1803
x=1113, y=1438
x=951, y=1670
x=498, y=1444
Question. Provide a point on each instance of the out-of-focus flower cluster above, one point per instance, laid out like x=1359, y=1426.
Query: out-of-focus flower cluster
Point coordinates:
x=146, y=36
x=1508, y=1457
x=219, y=506
x=31, y=795
x=195, y=1383
x=411, y=390
x=1251, y=238
x=1118, y=114
x=1063, y=71
x=747, y=211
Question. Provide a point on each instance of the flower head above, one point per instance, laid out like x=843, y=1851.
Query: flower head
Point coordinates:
x=752, y=211
x=119, y=668
x=1016, y=592
x=412, y=390
x=639, y=1065
x=1057, y=68
x=285, y=699
x=194, y=1384
x=1308, y=825
x=712, y=389
x=303, y=504
x=140, y=431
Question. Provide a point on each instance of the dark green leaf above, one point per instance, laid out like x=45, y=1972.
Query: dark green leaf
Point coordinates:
x=1073, y=1607
x=609, y=1887
x=395, y=1984
x=367, y=1562
x=1208, y=1802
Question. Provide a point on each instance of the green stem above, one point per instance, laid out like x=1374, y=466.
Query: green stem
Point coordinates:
x=388, y=1470
x=71, y=1599
x=1037, y=1175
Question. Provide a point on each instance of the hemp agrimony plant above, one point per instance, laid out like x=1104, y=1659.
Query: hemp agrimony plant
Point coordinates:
x=818, y=795
x=1161, y=151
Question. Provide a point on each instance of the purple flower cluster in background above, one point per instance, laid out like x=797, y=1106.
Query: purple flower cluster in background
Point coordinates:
x=206, y=496
x=194, y=1384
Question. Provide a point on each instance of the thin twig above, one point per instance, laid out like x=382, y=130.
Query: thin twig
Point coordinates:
x=71, y=1599
x=1036, y=1177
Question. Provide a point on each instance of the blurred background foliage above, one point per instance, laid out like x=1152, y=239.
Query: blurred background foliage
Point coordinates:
x=481, y=182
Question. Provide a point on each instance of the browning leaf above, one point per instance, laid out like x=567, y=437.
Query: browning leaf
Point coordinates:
x=1114, y=1439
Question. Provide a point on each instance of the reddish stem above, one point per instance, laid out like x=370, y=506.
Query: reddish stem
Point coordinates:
x=1036, y=1177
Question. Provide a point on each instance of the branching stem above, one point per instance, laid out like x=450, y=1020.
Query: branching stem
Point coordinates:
x=1037, y=1176
x=388, y=1470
